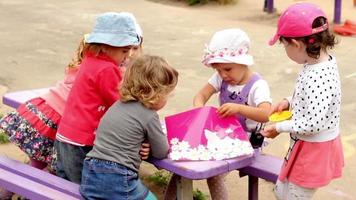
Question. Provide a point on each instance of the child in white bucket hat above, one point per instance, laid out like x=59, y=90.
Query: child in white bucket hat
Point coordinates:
x=242, y=93
x=108, y=47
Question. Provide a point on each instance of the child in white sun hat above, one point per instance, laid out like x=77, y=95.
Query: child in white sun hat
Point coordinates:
x=242, y=93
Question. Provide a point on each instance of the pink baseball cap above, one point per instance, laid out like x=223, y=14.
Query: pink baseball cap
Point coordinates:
x=297, y=20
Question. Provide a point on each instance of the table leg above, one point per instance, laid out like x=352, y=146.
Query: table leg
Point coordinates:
x=184, y=188
x=252, y=188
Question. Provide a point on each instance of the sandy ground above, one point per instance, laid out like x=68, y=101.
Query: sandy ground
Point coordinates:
x=38, y=37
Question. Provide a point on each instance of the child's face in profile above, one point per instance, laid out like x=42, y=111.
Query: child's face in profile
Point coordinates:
x=120, y=54
x=162, y=102
x=232, y=73
x=295, y=50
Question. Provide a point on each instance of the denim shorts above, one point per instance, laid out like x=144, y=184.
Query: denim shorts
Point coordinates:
x=70, y=160
x=102, y=179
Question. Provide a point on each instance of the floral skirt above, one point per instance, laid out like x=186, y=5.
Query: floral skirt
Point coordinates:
x=32, y=128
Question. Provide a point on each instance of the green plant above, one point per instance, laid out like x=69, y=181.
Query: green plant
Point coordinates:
x=199, y=195
x=160, y=178
x=193, y=2
x=3, y=137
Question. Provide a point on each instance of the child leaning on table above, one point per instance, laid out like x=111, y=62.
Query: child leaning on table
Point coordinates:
x=242, y=93
x=33, y=126
x=111, y=168
x=315, y=156
x=108, y=49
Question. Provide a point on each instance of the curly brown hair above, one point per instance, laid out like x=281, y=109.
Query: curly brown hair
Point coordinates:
x=147, y=80
x=317, y=42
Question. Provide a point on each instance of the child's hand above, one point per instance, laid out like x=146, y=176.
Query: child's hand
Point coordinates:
x=228, y=109
x=270, y=131
x=282, y=105
x=145, y=150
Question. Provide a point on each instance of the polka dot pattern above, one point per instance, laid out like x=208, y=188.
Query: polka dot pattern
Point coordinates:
x=317, y=98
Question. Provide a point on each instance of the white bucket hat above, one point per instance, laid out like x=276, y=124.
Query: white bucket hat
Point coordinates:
x=115, y=29
x=228, y=46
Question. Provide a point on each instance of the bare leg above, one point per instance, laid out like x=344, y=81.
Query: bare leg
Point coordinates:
x=217, y=187
x=171, y=191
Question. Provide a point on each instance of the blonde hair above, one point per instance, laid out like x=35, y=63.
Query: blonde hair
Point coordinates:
x=147, y=80
x=78, y=56
x=94, y=48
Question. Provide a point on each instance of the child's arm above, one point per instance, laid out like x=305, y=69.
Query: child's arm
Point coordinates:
x=108, y=83
x=203, y=95
x=145, y=150
x=258, y=114
x=282, y=105
x=157, y=138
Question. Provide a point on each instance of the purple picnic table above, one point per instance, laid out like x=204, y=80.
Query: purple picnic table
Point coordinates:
x=269, y=7
x=187, y=170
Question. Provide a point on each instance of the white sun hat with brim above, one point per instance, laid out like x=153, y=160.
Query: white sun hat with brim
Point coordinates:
x=228, y=46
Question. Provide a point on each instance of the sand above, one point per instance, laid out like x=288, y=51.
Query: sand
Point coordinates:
x=39, y=37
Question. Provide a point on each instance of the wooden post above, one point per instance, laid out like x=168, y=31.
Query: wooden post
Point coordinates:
x=184, y=188
x=252, y=188
x=268, y=6
x=337, y=11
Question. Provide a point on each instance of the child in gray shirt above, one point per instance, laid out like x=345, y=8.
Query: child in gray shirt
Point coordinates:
x=111, y=169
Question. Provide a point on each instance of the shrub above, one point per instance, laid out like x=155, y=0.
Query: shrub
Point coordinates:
x=199, y=195
x=160, y=178
x=3, y=137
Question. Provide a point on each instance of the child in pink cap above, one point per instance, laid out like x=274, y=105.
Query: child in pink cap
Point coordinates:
x=315, y=156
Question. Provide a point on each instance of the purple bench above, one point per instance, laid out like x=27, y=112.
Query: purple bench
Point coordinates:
x=263, y=166
x=33, y=183
x=259, y=166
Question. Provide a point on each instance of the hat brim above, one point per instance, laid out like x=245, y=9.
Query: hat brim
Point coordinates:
x=273, y=40
x=243, y=60
x=115, y=40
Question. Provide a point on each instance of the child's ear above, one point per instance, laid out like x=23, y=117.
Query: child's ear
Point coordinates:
x=298, y=44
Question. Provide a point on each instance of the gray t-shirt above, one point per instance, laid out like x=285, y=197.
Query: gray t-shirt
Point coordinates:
x=121, y=132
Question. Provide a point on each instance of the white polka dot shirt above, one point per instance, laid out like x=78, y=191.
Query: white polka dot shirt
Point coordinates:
x=315, y=103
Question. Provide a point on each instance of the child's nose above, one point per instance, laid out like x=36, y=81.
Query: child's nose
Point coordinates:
x=223, y=75
x=131, y=53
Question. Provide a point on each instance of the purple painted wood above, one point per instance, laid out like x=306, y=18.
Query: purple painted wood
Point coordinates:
x=40, y=176
x=238, y=163
x=270, y=6
x=14, y=99
x=28, y=188
x=252, y=188
x=337, y=12
x=196, y=170
x=263, y=166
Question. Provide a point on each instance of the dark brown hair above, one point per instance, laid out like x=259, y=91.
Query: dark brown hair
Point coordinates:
x=317, y=42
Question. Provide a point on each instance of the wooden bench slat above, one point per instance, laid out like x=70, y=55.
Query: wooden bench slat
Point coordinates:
x=14, y=99
x=28, y=188
x=264, y=166
x=39, y=176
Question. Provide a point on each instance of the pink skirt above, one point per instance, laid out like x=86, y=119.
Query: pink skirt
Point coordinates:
x=41, y=116
x=313, y=164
